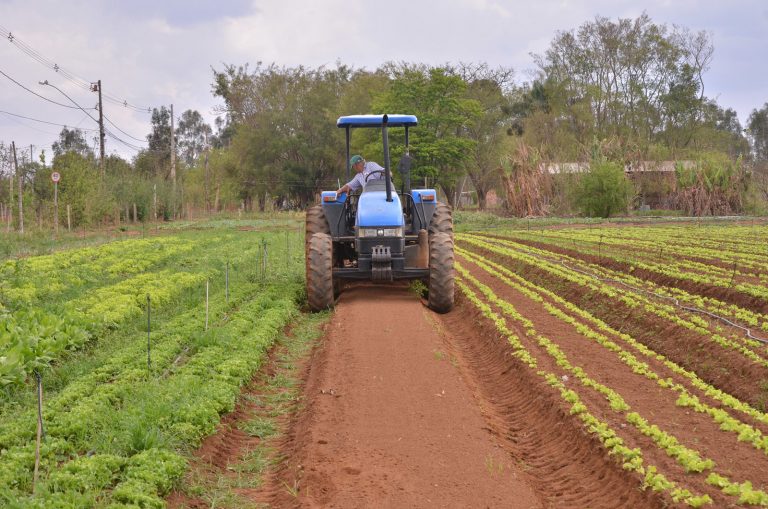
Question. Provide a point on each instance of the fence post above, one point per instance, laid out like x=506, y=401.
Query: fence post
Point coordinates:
x=39, y=380
x=149, y=328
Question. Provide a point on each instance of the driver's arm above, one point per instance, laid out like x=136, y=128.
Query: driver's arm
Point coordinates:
x=353, y=185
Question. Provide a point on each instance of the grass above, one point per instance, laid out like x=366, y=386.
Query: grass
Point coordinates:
x=273, y=398
x=493, y=467
x=468, y=221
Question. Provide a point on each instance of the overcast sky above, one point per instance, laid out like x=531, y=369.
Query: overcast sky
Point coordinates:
x=160, y=52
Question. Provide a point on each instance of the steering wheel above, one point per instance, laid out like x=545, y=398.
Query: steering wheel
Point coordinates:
x=373, y=173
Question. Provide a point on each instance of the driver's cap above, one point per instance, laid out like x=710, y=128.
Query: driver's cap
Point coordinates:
x=355, y=159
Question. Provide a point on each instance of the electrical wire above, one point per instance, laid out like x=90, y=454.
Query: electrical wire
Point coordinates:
x=38, y=95
x=45, y=121
x=125, y=133
x=87, y=85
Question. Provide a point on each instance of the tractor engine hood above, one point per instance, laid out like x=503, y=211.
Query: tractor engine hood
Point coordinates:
x=373, y=209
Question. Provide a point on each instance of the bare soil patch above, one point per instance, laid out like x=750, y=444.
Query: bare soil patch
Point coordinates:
x=406, y=408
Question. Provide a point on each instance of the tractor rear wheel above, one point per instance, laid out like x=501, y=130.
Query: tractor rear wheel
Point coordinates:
x=441, y=272
x=442, y=220
x=315, y=223
x=320, y=288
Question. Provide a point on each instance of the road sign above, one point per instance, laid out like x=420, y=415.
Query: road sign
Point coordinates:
x=55, y=176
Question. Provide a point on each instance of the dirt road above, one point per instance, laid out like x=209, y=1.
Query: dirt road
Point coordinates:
x=406, y=408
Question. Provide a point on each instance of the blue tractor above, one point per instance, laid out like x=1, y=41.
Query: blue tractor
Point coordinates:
x=379, y=234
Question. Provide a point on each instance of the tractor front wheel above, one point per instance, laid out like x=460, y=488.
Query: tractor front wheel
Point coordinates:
x=320, y=288
x=441, y=272
x=315, y=223
x=442, y=220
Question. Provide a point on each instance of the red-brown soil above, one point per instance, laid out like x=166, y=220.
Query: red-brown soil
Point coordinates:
x=405, y=408
x=725, y=369
x=644, y=396
x=402, y=407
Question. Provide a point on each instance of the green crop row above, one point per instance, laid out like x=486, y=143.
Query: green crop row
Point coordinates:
x=691, y=461
x=627, y=296
x=114, y=443
x=631, y=459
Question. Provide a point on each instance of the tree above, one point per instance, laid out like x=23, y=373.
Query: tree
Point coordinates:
x=77, y=189
x=194, y=136
x=159, y=139
x=440, y=144
x=490, y=88
x=71, y=140
x=630, y=79
x=757, y=127
x=284, y=136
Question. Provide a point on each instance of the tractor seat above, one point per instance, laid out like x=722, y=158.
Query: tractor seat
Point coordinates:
x=376, y=185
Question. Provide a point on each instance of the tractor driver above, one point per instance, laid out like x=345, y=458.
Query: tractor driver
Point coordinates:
x=363, y=169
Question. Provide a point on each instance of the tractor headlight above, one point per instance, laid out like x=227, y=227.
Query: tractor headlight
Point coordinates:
x=381, y=232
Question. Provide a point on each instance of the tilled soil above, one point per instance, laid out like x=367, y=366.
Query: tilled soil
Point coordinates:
x=406, y=408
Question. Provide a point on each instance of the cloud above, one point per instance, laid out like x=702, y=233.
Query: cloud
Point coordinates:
x=154, y=53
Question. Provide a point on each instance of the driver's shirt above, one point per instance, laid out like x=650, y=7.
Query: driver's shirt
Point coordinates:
x=359, y=181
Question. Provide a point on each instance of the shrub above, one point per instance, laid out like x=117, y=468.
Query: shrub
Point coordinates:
x=604, y=190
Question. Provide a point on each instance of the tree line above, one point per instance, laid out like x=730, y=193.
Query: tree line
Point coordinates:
x=610, y=93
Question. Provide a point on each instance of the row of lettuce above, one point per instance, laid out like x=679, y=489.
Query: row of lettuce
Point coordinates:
x=697, y=475
x=117, y=429
x=726, y=257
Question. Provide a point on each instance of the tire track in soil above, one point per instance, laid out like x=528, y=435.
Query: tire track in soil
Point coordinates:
x=406, y=408
x=698, y=431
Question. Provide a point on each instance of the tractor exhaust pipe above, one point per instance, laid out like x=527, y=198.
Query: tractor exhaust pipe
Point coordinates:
x=387, y=171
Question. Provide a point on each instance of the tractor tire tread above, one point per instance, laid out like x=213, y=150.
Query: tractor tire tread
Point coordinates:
x=315, y=223
x=441, y=273
x=320, y=287
x=442, y=220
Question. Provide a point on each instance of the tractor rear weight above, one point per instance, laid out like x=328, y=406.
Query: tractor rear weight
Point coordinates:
x=379, y=234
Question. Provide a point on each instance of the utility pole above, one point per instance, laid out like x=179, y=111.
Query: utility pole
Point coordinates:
x=173, y=169
x=10, y=201
x=21, y=189
x=207, y=184
x=101, y=132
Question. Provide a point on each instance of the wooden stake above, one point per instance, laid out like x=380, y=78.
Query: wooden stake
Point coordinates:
x=39, y=427
x=149, y=328
x=207, y=282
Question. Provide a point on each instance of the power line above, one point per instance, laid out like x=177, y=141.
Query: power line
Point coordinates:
x=125, y=133
x=87, y=85
x=70, y=99
x=45, y=121
x=40, y=96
